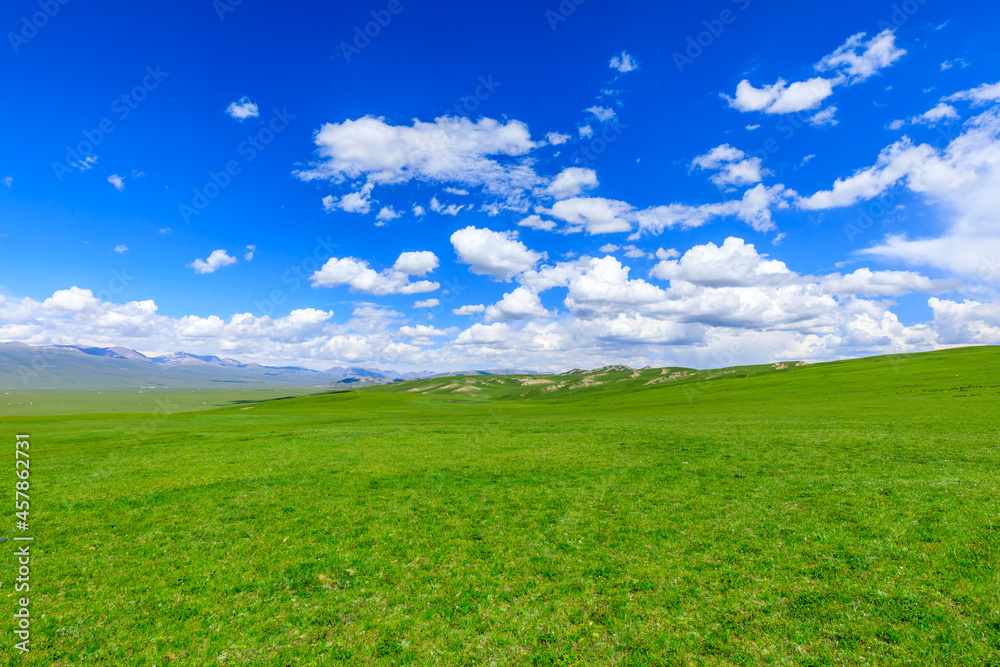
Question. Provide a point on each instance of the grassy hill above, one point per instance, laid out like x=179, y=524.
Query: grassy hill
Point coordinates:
x=840, y=513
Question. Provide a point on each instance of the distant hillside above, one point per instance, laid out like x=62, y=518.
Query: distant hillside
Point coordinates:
x=67, y=367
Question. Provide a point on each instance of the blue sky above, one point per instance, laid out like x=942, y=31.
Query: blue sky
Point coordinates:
x=584, y=182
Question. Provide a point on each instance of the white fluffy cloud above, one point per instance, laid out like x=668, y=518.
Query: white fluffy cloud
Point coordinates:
x=942, y=112
x=623, y=62
x=488, y=154
x=469, y=310
x=217, y=260
x=418, y=263
x=963, y=179
x=352, y=202
x=496, y=254
x=595, y=214
x=536, y=222
x=521, y=304
x=984, y=94
x=357, y=275
x=731, y=165
x=117, y=181
x=853, y=62
x=242, y=109
x=426, y=303
x=602, y=114
x=858, y=59
x=571, y=182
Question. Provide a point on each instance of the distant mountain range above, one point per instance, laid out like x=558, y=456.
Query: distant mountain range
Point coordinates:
x=25, y=366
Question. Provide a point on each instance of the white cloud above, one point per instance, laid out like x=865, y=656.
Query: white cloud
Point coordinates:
x=608, y=247
x=469, y=310
x=418, y=210
x=571, y=182
x=7, y=180
x=896, y=124
x=853, y=62
x=426, y=303
x=556, y=139
x=451, y=209
x=733, y=264
x=488, y=154
x=984, y=94
x=623, y=63
x=422, y=330
x=387, y=214
x=217, y=260
x=536, y=222
x=359, y=277
x=242, y=109
x=602, y=114
x=250, y=250
x=731, y=166
x=942, y=112
x=825, y=117
x=496, y=254
x=859, y=60
x=586, y=131
x=456, y=191
x=594, y=214
x=780, y=97
x=353, y=202
x=418, y=263
x=521, y=304
x=121, y=248
x=117, y=181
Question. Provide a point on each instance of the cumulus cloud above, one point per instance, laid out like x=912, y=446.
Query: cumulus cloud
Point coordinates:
x=520, y=304
x=556, y=138
x=121, y=248
x=242, y=109
x=486, y=154
x=984, y=94
x=623, y=62
x=496, y=254
x=418, y=263
x=536, y=222
x=942, y=112
x=963, y=179
x=426, y=303
x=853, y=62
x=602, y=114
x=571, y=182
x=217, y=260
x=732, y=166
x=469, y=310
x=387, y=214
x=360, y=277
x=250, y=250
x=594, y=214
x=117, y=181
x=353, y=202
x=859, y=60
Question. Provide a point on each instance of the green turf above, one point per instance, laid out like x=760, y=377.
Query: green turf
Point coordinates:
x=832, y=514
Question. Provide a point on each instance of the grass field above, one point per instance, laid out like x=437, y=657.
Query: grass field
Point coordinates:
x=831, y=514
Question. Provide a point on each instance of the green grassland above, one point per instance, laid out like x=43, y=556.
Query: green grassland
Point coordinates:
x=830, y=514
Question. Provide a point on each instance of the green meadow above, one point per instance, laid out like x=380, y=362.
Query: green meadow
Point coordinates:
x=833, y=514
